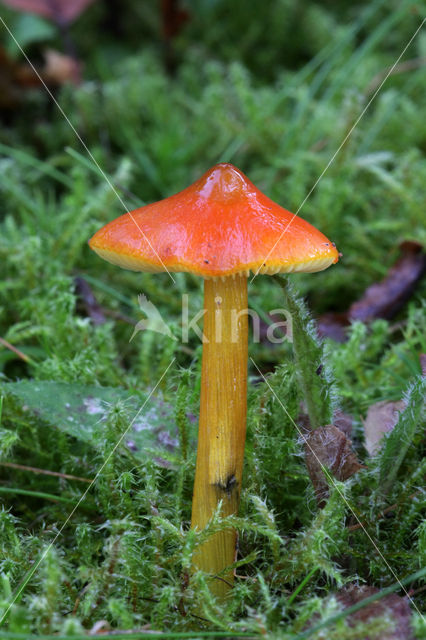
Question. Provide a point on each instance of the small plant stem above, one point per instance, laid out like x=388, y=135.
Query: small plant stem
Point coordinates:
x=222, y=426
x=301, y=585
x=308, y=356
x=180, y=415
x=19, y=353
x=36, y=494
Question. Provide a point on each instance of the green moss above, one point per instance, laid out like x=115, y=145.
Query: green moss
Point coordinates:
x=277, y=100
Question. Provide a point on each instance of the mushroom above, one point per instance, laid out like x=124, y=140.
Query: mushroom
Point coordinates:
x=220, y=228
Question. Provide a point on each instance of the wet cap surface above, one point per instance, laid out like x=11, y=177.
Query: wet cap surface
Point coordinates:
x=220, y=225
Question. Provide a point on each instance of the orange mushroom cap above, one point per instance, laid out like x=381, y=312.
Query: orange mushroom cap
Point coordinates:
x=221, y=225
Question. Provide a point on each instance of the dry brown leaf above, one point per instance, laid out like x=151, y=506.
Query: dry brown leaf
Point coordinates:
x=9, y=89
x=329, y=447
x=87, y=298
x=60, y=69
x=174, y=17
x=392, y=607
x=60, y=11
x=15, y=77
x=384, y=299
x=422, y=358
x=333, y=325
x=381, y=418
x=343, y=421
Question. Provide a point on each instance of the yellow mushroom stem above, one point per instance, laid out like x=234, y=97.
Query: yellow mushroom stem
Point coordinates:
x=222, y=426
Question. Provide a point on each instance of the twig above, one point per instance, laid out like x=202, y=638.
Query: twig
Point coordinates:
x=402, y=67
x=46, y=472
x=19, y=353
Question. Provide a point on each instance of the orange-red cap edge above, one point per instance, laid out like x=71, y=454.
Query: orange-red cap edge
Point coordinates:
x=139, y=264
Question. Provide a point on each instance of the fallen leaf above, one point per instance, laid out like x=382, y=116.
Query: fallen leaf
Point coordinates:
x=422, y=358
x=10, y=89
x=394, y=609
x=15, y=77
x=81, y=411
x=88, y=300
x=174, y=17
x=328, y=447
x=60, y=69
x=60, y=11
x=380, y=300
x=385, y=299
x=343, y=421
x=333, y=325
x=381, y=418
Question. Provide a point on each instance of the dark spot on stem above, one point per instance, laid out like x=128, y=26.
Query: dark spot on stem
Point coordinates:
x=228, y=486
